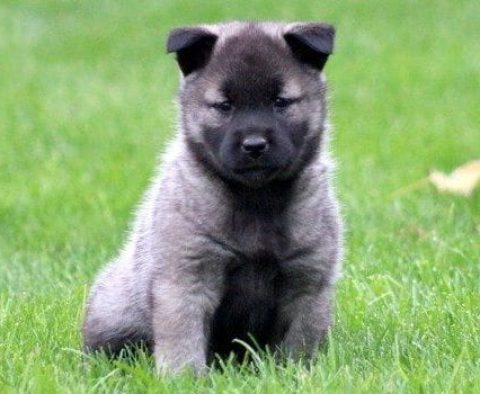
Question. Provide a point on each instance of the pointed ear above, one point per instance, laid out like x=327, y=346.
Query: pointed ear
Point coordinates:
x=311, y=43
x=193, y=46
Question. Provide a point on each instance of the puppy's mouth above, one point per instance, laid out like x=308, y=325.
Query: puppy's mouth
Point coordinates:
x=255, y=170
x=255, y=176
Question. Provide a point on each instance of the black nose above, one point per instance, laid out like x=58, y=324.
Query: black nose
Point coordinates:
x=254, y=146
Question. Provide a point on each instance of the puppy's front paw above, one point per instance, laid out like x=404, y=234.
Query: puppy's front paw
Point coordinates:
x=178, y=365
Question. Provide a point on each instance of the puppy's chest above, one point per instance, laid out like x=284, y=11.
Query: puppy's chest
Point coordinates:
x=257, y=235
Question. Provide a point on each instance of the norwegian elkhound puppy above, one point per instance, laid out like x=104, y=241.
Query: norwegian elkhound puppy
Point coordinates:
x=239, y=235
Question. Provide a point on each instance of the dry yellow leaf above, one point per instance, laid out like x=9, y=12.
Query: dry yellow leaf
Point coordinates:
x=462, y=180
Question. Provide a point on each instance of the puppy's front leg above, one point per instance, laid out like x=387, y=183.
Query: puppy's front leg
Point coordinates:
x=308, y=322
x=181, y=319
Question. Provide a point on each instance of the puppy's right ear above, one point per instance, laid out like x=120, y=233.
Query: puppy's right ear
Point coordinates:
x=193, y=46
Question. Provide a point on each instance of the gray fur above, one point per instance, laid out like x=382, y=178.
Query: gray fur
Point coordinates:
x=212, y=249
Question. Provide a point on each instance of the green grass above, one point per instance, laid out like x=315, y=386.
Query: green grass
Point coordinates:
x=86, y=105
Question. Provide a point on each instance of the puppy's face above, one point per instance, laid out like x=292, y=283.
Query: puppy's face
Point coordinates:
x=252, y=98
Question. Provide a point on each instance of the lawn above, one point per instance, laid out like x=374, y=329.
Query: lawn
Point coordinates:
x=86, y=105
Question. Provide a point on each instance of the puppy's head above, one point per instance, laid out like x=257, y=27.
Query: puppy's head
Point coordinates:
x=253, y=97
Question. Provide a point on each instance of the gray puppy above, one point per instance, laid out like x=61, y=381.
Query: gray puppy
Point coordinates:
x=239, y=235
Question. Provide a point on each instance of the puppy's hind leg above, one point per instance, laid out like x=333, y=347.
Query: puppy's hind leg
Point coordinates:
x=116, y=314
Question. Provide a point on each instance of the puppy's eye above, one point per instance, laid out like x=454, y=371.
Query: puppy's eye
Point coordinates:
x=283, y=102
x=223, y=106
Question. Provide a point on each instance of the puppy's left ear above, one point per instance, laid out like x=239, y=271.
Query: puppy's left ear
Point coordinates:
x=193, y=46
x=311, y=43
